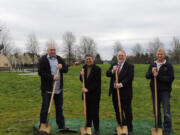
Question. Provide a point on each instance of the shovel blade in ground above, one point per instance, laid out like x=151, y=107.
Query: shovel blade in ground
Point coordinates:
x=45, y=128
x=86, y=131
x=122, y=130
x=156, y=131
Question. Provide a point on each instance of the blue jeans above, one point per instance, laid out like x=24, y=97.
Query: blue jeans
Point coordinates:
x=58, y=98
x=164, y=100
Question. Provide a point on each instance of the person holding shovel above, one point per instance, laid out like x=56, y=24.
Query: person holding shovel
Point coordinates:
x=47, y=69
x=92, y=79
x=125, y=73
x=163, y=71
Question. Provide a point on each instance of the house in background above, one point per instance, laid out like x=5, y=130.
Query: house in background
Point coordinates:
x=4, y=63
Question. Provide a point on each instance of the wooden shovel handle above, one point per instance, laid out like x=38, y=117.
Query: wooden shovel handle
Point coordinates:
x=84, y=99
x=52, y=96
x=156, y=108
x=119, y=100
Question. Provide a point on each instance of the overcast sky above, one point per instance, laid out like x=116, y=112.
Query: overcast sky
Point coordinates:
x=106, y=21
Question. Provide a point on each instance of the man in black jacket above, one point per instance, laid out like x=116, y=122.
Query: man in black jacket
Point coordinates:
x=48, y=66
x=125, y=77
x=163, y=71
x=92, y=77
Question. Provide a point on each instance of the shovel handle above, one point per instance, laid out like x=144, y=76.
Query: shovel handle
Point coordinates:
x=52, y=96
x=119, y=100
x=156, y=108
x=84, y=99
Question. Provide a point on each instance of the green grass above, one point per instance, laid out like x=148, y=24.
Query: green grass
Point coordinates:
x=20, y=99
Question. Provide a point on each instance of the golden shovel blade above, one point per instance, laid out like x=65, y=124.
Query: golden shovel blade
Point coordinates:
x=86, y=131
x=45, y=128
x=156, y=131
x=122, y=130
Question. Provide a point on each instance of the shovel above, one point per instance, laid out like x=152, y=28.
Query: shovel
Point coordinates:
x=86, y=130
x=156, y=131
x=44, y=126
x=121, y=130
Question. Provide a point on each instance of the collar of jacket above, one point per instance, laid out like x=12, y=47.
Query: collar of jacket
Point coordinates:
x=48, y=56
x=155, y=64
x=85, y=66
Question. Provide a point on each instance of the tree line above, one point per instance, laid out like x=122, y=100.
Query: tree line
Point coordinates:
x=75, y=53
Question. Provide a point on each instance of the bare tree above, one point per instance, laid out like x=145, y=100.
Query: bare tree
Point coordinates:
x=1, y=45
x=137, y=49
x=139, y=56
x=98, y=59
x=32, y=47
x=1, y=29
x=16, y=51
x=87, y=46
x=154, y=46
x=5, y=40
x=117, y=47
x=174, y=53
x=69, y=40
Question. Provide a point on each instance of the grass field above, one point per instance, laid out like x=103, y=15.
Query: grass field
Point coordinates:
x=20, y=99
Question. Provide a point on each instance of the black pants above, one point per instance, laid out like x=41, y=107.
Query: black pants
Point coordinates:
x=58, y=98
x=92, y=113
x=126, y=111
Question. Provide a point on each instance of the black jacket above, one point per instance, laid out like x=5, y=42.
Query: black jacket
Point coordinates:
x=125, y=77
x=44, y=71
x=164, y=79
x=93, y=83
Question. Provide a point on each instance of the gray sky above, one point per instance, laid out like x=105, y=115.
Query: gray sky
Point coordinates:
x=106, y=21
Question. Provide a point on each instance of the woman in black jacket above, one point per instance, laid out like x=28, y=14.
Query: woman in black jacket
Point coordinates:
x=163, y=71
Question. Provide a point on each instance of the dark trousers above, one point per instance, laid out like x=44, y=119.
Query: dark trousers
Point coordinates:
x=92, y=113
x=58, y=98
x=126, y=111
x=164, y=99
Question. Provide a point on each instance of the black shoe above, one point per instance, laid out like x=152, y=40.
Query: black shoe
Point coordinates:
x=64, y=128
x=67, y=130
x=165, y=133
x=96, y=132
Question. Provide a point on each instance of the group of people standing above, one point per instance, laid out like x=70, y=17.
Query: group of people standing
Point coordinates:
x=161, y=69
